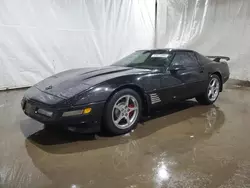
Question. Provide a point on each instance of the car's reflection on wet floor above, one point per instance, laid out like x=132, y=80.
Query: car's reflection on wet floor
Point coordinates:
x=180, y=145
x=140, y=156
x=162, y=118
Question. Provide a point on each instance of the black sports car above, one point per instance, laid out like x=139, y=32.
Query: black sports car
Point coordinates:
x=114, y=97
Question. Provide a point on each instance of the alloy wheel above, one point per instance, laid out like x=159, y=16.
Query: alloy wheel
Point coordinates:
x=125, y=112
x=213, y=89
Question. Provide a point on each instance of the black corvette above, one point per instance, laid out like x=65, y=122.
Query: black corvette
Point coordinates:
x=114, y=97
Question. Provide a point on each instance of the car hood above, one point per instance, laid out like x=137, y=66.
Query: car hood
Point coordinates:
x=69, y=83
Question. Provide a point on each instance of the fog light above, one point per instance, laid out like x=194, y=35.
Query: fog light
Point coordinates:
x=86, y=110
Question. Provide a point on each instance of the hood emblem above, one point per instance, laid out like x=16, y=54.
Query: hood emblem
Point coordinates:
x=49, y=87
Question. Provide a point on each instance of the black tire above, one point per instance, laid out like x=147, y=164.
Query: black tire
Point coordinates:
x=109, y=125
x=203, y=98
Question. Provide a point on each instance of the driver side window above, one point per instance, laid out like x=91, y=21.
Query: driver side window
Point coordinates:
x=159, y=59
x=186, y=59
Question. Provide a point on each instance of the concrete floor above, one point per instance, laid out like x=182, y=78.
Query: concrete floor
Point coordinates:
x=184, y=145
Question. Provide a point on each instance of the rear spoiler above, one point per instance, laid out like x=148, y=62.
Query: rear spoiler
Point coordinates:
x=218, y=58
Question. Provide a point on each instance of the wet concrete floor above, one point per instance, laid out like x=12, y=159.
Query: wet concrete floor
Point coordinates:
x=183, y=145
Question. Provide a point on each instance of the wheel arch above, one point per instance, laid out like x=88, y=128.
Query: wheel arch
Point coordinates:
x=136, y=88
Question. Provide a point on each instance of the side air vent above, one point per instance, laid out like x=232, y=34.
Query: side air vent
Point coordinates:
x=154, y=98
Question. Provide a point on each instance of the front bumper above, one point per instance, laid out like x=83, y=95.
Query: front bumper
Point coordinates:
x=90, y=121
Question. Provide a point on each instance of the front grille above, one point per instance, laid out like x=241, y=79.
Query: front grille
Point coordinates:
x=32, y=109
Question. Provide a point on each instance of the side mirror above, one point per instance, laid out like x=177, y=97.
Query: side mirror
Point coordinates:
x=175, y=68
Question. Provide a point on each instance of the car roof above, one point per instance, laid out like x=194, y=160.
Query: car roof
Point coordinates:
x=168, y=49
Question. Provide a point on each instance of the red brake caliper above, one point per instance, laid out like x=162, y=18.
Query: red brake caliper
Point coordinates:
x=132, y=112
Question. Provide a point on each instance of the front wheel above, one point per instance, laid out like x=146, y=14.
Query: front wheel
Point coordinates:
x=212, y=92
x=122, y=112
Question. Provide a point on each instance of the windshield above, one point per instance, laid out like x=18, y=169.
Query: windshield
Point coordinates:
x=146, y=59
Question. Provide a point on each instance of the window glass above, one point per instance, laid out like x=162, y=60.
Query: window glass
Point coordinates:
x=134, y=58
x=146, y=59
x=202, y=59
x=159, y=59
x=186, y=59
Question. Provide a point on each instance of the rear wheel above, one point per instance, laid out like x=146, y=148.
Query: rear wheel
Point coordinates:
x=122, y=112
x=212, y=92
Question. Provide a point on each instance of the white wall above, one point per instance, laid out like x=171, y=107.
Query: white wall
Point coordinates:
x=41, y=37
x=212, y=27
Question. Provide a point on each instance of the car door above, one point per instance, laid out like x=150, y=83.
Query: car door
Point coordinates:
x=171, y=86
x=191, y=74
x=161, y=85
